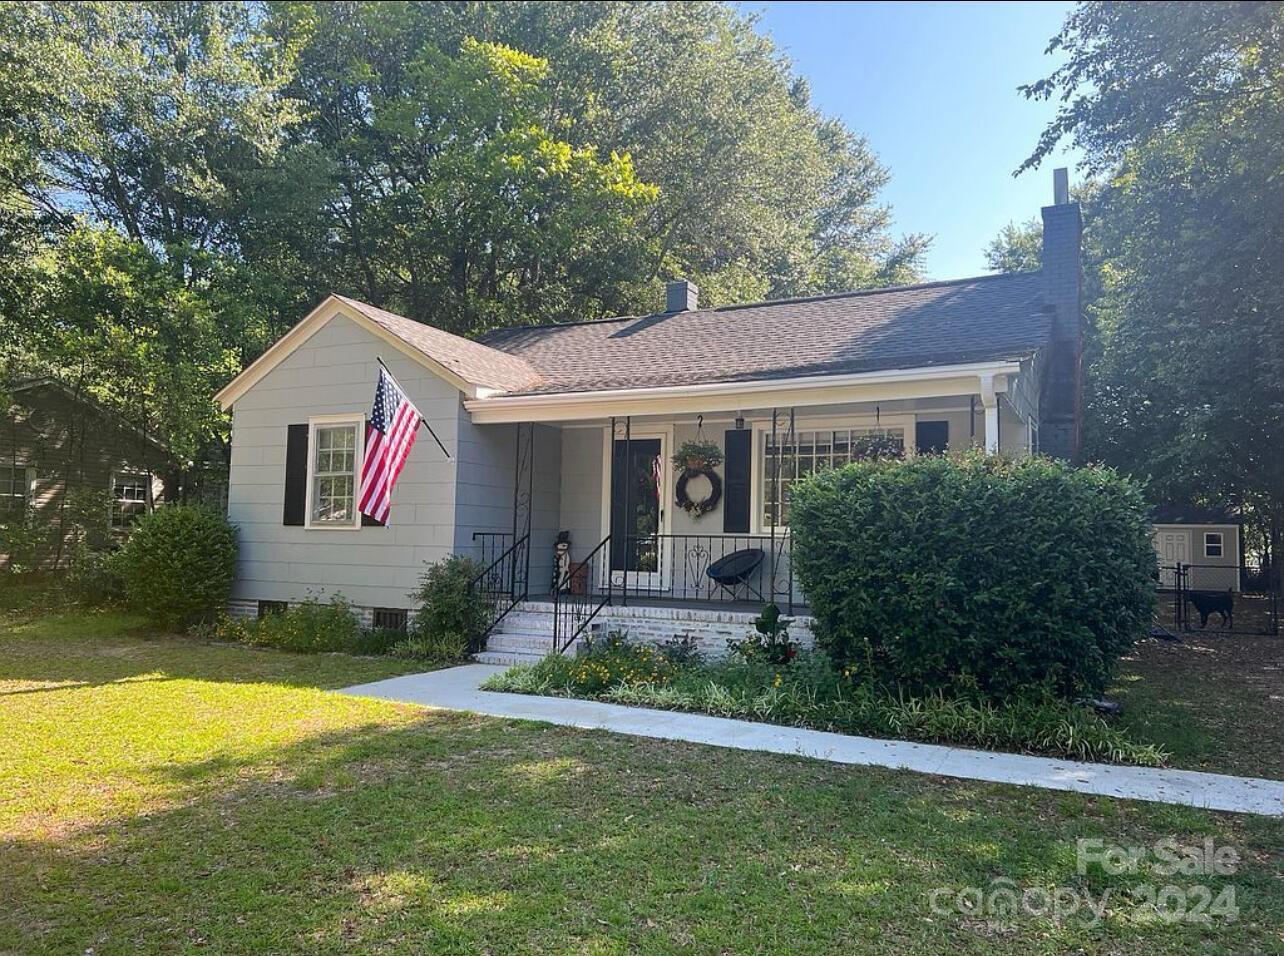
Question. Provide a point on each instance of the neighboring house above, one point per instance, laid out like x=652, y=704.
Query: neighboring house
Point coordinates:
x=570, y=428
x=1206, y=540
x=53, y=439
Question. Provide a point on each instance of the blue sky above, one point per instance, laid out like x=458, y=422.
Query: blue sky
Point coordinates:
x=933, y=87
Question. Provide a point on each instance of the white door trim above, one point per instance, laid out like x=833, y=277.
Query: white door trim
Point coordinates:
x=665, y=434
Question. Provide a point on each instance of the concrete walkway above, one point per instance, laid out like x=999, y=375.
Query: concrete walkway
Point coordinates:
x=456, y=689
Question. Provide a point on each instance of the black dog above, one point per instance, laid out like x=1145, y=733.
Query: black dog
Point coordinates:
x=1213, y=602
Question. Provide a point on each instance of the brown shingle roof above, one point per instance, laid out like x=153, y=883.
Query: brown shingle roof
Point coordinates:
x=940, y=323
x=475, y=363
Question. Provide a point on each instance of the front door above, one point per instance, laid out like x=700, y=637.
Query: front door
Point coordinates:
x=637, y=512
x=1174, y=549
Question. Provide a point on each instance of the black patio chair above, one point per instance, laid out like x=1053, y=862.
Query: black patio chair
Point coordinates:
x=736, y=570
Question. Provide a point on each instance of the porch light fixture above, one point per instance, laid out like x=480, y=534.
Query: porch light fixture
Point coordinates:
x=740, y=423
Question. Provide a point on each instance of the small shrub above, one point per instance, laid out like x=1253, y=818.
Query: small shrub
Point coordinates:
x=309, y=626
x=979, y=574
x=178, y=563
x=447, y=604
x=442, y=647
x=769, y=641
x=682, y=649
x=378, y=640
x=94, y=578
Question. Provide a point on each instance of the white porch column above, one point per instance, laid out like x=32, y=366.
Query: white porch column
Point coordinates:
x=990, y=402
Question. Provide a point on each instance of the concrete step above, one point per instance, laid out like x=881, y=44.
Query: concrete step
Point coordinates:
x=525, y=643
x=506, y=658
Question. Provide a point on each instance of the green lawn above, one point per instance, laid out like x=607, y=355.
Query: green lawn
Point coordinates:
x=1214, y=701
x=161, y=796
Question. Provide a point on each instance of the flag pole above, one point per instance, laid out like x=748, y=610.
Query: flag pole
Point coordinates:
x=422, y=421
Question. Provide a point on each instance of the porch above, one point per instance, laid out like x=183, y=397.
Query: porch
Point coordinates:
x=603, y=517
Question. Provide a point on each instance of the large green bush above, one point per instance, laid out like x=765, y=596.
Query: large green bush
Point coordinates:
x=447, y=605
x=976, y=574
x=178, y=563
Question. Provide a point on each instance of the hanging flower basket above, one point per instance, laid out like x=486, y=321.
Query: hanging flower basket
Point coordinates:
x=694, y=457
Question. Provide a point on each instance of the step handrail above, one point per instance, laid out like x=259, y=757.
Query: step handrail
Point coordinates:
x=496, y=596
x=573, y=613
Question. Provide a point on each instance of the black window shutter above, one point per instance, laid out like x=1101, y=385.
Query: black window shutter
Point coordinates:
x=931, y=438
x=366, y=520
x=296, y=475
x=738, y=458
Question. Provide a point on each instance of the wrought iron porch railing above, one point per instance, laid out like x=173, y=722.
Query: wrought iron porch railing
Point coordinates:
x=489, y=545
x=579, y=597
x=754, y=568
x=503, y=584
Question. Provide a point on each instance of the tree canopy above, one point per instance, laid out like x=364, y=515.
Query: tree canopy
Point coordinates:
x=182, y=181
x=1179, y=107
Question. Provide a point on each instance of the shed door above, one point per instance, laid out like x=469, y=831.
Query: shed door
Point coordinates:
x=1174, y=548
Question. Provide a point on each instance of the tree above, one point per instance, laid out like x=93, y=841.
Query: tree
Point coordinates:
x=138, y=125
x=755, y=194
x=187, y=179
x=1179, y=106
x=1017, y=248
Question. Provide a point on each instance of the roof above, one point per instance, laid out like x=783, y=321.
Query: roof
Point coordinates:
x=1000, y=317
x=991, y=318
x=114, y=418
x=473, y=368
x=476, y=364
x=1189, y=514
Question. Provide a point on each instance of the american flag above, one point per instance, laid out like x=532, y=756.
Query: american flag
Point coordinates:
x=390, y=434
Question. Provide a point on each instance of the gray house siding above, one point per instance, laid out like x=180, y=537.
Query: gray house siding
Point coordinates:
x=334, y=373
x=581, y=488
x=484, y=501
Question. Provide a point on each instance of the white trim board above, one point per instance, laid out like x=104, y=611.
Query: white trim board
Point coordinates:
x=711, y=398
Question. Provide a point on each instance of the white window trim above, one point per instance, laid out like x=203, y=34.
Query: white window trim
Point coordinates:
x=325, y=421
x=1221, y=544
x=762, y=431
x=149, y=502
x=28, y=473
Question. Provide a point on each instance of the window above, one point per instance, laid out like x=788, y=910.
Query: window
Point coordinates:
x=332, y=479
x=14, y=483
x=390, y=618
x=1212, y=544
x=269, y=608
x=811, y=451
x=131, y=497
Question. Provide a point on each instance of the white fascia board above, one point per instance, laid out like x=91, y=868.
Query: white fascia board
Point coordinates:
x=309, y=326
x=934, y=382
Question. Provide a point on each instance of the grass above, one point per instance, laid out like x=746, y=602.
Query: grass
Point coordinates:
x=164, y=796
x=1214, y=701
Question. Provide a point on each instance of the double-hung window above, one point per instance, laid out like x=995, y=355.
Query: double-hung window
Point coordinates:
x=14, y=484
x=1212, y=544
x=787, y=459
x=333, y=468
x=131, y=497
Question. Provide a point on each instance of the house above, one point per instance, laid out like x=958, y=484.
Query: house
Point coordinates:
x=53, y=440
x=570, y=428
x=1207, y=541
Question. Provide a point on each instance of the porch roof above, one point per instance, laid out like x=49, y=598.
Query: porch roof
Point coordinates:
x=990, y=318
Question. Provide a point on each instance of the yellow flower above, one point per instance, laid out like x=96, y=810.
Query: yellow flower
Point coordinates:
x=776, y=682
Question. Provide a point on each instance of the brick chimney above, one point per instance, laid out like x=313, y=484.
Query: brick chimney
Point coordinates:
x=681, y=295
x=1061, y=401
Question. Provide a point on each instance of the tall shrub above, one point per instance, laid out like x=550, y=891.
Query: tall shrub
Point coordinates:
x=178, y=564
x=448, y=607
x=976, y=573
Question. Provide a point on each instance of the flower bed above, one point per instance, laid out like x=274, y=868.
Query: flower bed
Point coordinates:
x=810, y=692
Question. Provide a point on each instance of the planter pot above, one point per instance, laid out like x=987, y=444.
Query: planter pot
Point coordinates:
x=695, y=464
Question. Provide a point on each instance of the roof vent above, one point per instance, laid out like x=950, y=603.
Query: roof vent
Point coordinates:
x=681, y=295
x=1060, y=186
